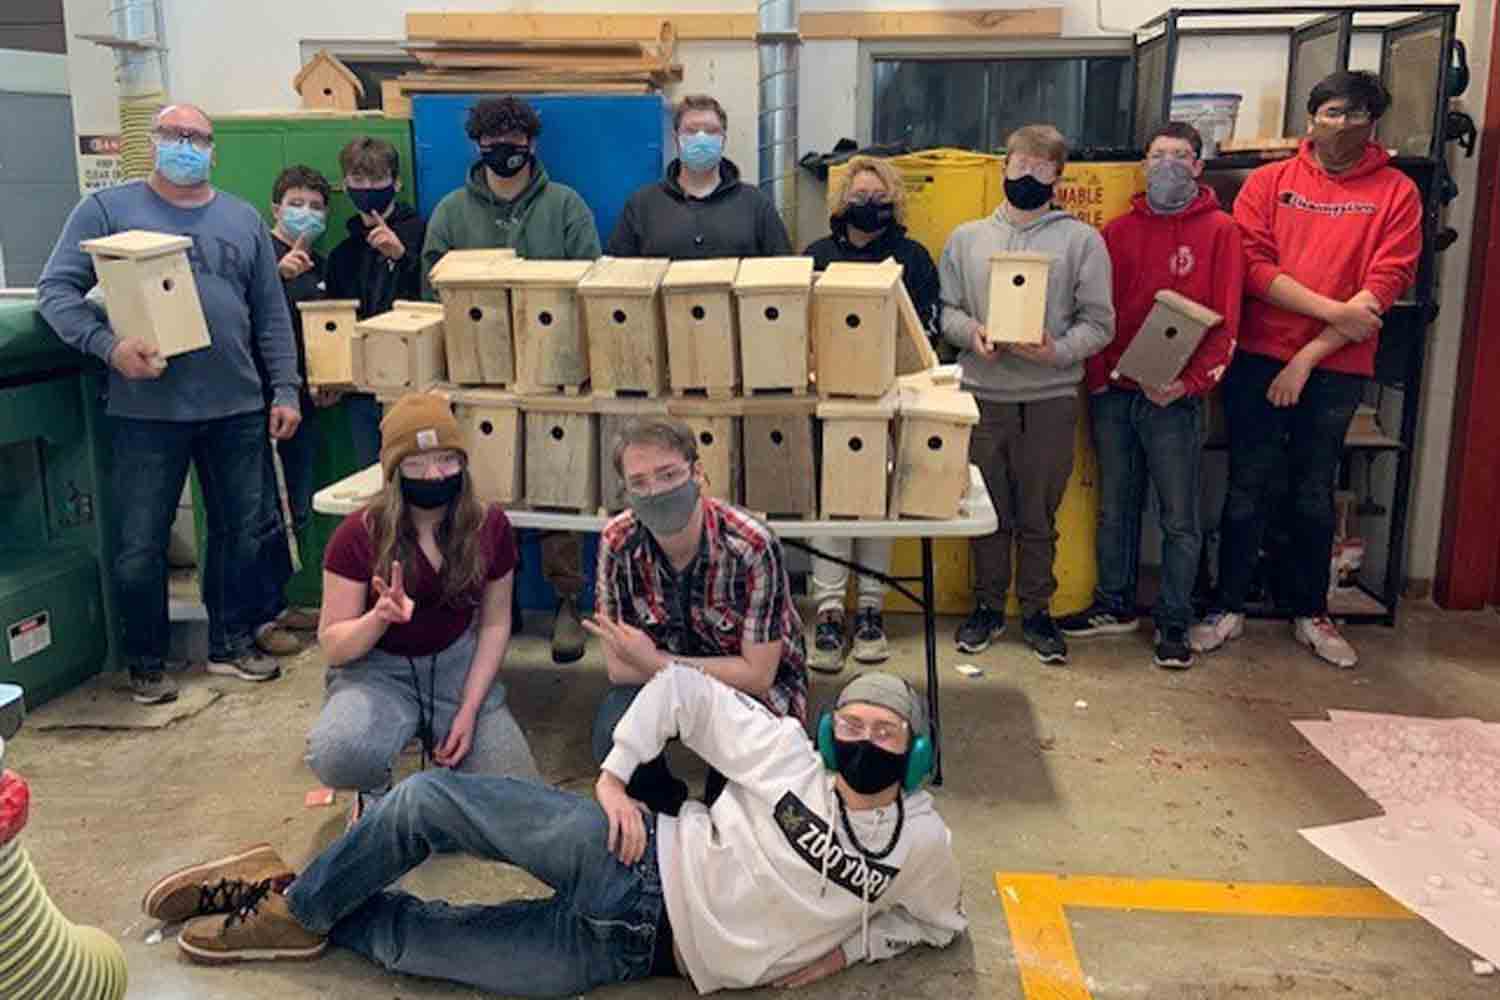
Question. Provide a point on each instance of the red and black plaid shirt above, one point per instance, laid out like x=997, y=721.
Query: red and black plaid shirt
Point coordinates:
x=735, y=591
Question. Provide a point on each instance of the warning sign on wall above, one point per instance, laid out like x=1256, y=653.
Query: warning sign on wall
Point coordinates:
x=98, y=163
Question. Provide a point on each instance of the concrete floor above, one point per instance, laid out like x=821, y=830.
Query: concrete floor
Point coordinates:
x=1193, y=775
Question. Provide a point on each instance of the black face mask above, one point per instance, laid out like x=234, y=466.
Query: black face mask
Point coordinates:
x=373, y=201
x=506, y=158
x=430, y=494
x=870, y=216
x=868, y=768
x=1027, y=193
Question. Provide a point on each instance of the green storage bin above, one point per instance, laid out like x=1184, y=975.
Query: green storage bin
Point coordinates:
x=52, y=634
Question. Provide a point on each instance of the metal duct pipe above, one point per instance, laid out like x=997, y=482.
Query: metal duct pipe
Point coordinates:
x=140, y=73
x=778, y=44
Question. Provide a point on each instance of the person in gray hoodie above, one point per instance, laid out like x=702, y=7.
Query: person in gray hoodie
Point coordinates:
x=1027, y=394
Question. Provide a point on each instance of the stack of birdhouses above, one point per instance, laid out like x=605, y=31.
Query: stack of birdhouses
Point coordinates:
x=545, y=361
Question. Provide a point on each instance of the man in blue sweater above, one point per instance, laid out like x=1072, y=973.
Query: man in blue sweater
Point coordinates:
x=205, y=407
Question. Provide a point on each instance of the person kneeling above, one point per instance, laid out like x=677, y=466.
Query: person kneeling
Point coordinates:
x=814, y=857
x=404, y=581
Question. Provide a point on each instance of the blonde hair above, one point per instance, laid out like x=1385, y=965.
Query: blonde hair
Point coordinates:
x=1039, y=140
x=838, y=191
x=394, y=536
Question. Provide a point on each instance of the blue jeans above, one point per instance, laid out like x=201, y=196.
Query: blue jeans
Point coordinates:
x=150, y=467
x=1136, y=439
x=598, y=927
x=364, y=426
x=1305, y=443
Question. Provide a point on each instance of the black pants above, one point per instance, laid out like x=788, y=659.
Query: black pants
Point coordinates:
x=1304, y=442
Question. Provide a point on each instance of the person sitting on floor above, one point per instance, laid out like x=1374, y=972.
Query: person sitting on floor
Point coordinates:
x=416, y=617
x=686, y=578
x=814, y=858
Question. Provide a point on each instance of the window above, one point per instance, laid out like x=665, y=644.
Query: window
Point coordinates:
x=976, y=103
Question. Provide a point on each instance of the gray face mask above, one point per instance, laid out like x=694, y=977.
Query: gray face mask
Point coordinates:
x=665, y=513
x=1170, y=186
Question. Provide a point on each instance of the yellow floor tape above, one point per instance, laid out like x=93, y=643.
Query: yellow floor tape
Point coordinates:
x=1035, y=906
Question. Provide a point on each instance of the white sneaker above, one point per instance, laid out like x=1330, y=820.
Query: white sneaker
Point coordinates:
x=1215, y=630
x=1322, y=636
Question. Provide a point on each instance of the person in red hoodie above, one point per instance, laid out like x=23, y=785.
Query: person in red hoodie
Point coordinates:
x=1175, y=237
x=1332, y=238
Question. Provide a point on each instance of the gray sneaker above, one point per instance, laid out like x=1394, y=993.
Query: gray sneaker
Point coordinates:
x=152, y=687
x=251, y=666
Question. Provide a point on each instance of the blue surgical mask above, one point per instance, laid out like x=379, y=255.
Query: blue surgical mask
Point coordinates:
x=182, y=163
x=299, y=220
x=702, y=151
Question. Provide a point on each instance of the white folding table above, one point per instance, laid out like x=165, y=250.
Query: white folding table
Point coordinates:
x=976, y=517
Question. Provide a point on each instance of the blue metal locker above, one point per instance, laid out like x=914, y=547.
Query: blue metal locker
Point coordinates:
x=604, y=147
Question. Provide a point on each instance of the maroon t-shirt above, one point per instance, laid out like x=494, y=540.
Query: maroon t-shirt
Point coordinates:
x=435, y=624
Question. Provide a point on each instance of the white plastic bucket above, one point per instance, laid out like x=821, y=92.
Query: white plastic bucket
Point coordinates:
x=1213, y=115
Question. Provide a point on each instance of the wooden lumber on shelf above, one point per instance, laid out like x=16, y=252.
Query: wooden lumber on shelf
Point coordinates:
x=616, y=28
x=1027, y=22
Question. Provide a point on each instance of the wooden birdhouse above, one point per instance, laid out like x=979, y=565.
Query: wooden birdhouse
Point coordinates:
x=614, y=413
x=324, y=82
x=149, y=289
x=773, y=295
x=778, y=444
x=401, y=350
x=476, y=315
x=931, y=468
x=856, y=456
x=627, y=339
x=855, y=312
x=1018, y=298
x=490, y=422
x=715, y=424
x=914, y=351
x=1161, y=349
x=552, y=351
x=562, y=452
x=328, y=334
x=702, y=329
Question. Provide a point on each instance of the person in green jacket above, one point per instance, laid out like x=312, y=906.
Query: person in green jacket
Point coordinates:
x=509, y=201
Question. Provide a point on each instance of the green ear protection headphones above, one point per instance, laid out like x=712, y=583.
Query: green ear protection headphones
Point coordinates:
x=919, y=763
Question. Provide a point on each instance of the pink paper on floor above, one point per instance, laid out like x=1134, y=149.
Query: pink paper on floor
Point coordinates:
x=1438, y=859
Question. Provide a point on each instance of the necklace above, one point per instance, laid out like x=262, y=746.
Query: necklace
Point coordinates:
x=849, y=830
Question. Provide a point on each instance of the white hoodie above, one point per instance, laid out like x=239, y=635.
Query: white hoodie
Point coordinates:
x=767, y=881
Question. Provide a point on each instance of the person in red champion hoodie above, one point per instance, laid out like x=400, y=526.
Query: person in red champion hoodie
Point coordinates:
x=1332, y=238
x=1175, y=237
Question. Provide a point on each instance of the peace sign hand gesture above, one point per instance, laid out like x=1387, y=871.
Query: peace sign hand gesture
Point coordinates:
x=393, y=606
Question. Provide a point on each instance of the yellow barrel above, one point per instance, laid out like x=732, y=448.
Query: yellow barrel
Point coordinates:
x=945, y=188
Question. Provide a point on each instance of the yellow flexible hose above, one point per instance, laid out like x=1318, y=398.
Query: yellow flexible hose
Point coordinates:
x=42, y=955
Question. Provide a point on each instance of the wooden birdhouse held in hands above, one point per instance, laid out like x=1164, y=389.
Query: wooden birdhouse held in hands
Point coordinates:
x=627, y=339
x=1018, y=298
x=328, y=333
x=401, y=350
x=702, y=329
x=149, y=289
x=324, y=82
x=774, y=295
x=1165, y=343
x=476, y=315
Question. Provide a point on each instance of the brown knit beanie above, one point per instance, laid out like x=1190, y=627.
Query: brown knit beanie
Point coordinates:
x=419, y=421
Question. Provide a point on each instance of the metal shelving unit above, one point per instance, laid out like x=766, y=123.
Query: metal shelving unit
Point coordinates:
x=1418, y=52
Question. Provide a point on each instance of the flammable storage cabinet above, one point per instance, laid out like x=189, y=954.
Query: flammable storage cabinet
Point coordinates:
x=944, y=189
x=250, y=149
x=55, y=622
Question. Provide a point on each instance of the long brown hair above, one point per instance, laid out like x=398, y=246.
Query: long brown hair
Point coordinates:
x=459, y=539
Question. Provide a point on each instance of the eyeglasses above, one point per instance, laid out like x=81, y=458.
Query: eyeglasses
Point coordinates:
x=885, y=733
x=1044, y=171
x=198, y=140
x=868, y=198
x=662, y=479
x=1157, y=155
x=1344, y=115
x=445, y=462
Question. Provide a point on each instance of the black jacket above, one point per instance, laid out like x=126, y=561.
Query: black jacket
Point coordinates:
x=918, y=272
x=357, y=270
x=736, y=220
x=305, y=287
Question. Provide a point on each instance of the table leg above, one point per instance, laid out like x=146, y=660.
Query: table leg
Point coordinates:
x=929, y=626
